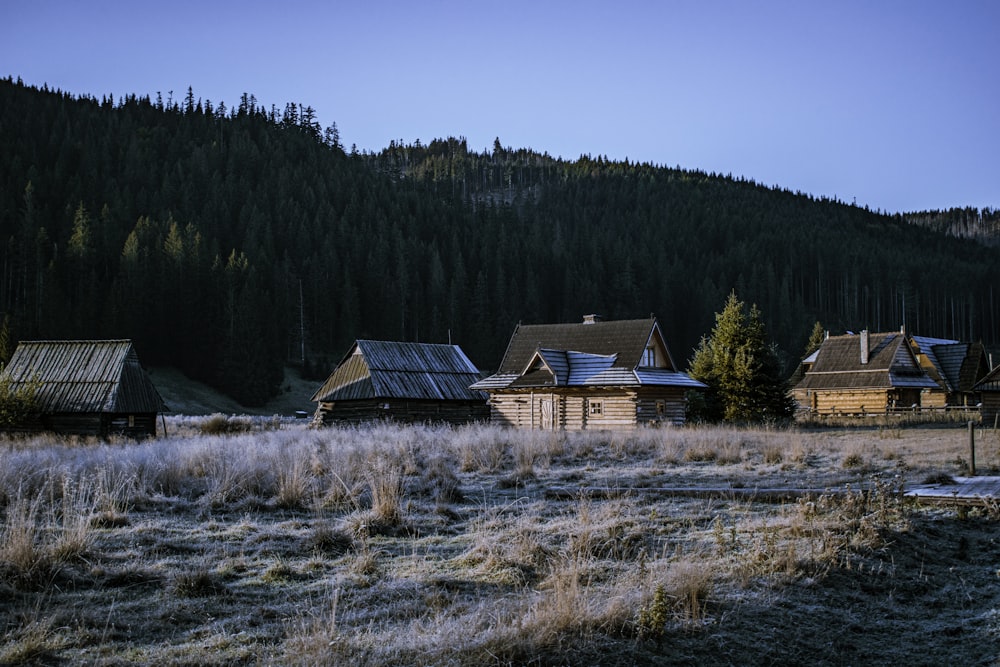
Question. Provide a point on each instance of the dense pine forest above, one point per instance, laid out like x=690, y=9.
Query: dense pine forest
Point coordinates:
x=229, y=241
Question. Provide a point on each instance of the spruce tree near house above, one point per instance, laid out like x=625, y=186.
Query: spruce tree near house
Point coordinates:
x=741, y=369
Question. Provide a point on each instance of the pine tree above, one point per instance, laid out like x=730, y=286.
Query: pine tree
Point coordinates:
x=816, y=339
x=741, y=369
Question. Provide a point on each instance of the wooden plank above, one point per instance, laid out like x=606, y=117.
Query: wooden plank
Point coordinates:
x=767, y=494
x=968, y=491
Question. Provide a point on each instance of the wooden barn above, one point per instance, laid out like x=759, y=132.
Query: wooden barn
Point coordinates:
x=955, y=366
x=591, y=375
x=989, y=392
x=870, y=373
x=86, y=387
x=406, y=382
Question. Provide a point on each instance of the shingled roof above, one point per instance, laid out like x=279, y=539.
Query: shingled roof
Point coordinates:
x=84, y=376
x=890, y=363
x=386, y=369
x=591, y=353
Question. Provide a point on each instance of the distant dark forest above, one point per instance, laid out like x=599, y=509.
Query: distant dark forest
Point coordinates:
x=229, y=241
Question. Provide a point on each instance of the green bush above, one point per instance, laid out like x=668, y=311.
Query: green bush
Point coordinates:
x=17, y=404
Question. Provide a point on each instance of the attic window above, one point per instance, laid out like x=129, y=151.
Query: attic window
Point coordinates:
x=648, y=357
x=595, y=407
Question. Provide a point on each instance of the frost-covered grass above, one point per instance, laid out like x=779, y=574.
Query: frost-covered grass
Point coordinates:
x=264, y=542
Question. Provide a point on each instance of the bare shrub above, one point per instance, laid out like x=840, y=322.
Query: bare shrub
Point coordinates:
x=329, y=542
x=219, y=424
x=853, y=459
x=197, y=582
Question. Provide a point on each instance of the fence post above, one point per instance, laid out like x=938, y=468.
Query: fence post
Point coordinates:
x=972, y=448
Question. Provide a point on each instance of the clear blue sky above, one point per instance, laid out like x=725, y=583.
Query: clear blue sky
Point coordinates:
x=892, y=104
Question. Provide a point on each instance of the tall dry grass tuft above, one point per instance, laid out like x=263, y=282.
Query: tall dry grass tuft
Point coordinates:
x=440, y=479
x=43, y=531
x=720, y=445
x=295, y=482
x=35, y=643
x=680, y=598
x=385, y=488
x=481, y=448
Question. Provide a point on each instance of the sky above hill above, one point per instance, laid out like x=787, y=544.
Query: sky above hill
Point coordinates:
x=894, y=105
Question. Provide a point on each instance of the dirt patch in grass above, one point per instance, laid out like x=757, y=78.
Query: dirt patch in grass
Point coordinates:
x=406, y=547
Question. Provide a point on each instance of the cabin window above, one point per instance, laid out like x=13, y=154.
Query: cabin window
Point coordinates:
x=649, y=357
x=596, y=407
x=131, y=421
x=661, y=408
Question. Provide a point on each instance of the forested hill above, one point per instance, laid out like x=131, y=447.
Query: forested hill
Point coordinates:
x=228, y=241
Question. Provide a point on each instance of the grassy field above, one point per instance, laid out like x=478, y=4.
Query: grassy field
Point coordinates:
x=235, y=541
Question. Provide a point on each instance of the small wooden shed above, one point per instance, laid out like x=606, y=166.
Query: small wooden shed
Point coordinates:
x=590, y=375
x=86, y=387
x=870, y=373
x=406, y=382
x=989, y=391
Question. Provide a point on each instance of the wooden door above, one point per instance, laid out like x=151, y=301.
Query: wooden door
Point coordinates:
x=545, y=408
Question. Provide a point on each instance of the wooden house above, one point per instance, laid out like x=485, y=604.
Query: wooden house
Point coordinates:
x=590, y=375
x=406, y=382
x=86, y=387
x=870, y=373
x=989, y=392
x=955, y=366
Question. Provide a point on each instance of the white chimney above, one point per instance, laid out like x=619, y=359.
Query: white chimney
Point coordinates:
x=864, y=346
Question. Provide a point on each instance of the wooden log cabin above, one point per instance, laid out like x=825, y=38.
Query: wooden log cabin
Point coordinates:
x=404, y=382
x=955, y=366
x=870, y=373
x=85, y=387
x=590, y=375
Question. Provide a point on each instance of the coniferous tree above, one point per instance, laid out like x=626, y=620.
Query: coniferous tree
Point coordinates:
x=741, y=369
x=816, y=339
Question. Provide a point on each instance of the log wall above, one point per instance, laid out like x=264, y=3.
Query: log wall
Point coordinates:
x=852, y=402
x=571, y=409
x=991, y=407
x=91, y=424
x=399, y=410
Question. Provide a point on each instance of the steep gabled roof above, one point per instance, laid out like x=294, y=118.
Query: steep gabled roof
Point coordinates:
x=991, y=382
x=940, y=352
x=84, y=376
x=595, y=353
x=562, y=368
x=891, y=364
x=385, y=369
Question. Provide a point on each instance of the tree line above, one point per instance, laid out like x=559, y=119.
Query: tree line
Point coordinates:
x=229, y=241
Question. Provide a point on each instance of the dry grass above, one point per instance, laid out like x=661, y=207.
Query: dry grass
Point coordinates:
x=429, y=545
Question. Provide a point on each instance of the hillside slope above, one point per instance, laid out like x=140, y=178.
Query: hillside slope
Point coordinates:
x=227, y=243
x=185, y=396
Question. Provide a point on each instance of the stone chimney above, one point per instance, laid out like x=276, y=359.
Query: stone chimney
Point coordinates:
x=864, y=347
x=592, y=319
